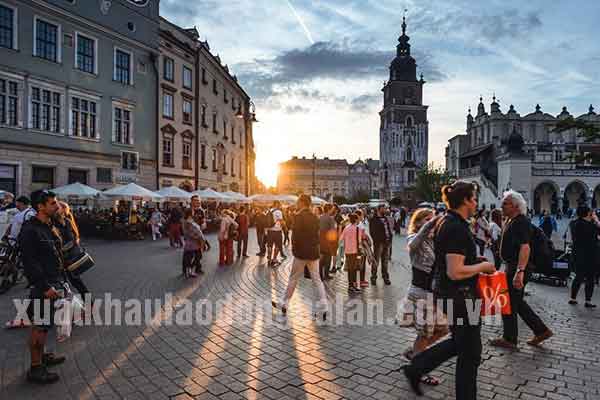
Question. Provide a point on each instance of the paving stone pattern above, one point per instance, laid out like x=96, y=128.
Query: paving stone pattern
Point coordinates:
x=272, y=357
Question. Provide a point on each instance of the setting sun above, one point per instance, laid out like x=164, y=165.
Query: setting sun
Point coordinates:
x=267, y=168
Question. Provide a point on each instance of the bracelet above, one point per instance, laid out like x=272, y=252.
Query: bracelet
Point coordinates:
x=520, y=270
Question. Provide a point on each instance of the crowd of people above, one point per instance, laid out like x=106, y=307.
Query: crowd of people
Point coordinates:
x=446, y=248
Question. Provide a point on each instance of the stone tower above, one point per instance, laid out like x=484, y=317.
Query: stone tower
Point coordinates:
x=403, y=134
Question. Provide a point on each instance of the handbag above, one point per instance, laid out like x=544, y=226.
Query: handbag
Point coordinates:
x=358, y=246
x=76, y=259
x=232, y=232
x=493, y=290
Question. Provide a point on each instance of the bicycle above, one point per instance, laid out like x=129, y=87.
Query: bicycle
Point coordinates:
x=10, y=273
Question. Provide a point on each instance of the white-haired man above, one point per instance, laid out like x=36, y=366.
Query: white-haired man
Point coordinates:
x=515, y=250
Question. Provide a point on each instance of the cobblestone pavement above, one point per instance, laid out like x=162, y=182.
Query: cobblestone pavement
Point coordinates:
x=303, y=359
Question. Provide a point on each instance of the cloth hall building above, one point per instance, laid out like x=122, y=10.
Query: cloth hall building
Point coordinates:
x=503, y=151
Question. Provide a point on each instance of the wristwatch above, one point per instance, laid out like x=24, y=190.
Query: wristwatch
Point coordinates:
x=520, y=270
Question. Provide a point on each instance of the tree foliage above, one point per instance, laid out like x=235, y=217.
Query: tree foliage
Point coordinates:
x=588, y=131
x=430, y=181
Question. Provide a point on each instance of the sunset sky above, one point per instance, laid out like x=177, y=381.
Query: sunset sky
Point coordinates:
x=315, y=68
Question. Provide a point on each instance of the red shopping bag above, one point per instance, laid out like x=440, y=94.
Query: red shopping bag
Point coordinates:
x=493, y=290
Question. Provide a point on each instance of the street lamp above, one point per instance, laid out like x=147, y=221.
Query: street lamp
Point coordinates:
x=249, y=118
x=251, y=115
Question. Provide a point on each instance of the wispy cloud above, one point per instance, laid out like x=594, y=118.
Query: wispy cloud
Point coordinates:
x=301, y=22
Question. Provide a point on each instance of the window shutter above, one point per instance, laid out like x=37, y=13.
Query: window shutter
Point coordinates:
x=131, y=126
x=114, y=126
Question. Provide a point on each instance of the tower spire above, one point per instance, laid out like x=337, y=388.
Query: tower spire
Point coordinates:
x=404, y=22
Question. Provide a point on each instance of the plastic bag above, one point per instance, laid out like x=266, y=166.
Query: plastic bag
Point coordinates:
x=64, y=319
x=493, y=290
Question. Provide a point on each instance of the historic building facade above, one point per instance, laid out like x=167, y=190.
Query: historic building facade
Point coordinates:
x=178, y=134
x=328, y=178
x=225, y=119
x=78, y=93
x=363, y=178
x=525, y=153
x=403, y=135
x=321, y=177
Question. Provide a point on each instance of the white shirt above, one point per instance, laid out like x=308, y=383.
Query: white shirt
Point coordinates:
x=495, y=231
x=19, y=220
x=277, y=217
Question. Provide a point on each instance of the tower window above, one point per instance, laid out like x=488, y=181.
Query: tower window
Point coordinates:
x=409, y=121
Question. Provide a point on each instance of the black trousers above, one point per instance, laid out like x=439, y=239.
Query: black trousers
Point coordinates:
x=465, y=344
x=519, y=307
x=242, y=244
x=324, y=265
x=383, y=253
x=261, y=239
x=587, y=276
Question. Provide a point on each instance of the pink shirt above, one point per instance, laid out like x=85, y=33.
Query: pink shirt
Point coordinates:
x=349, y=237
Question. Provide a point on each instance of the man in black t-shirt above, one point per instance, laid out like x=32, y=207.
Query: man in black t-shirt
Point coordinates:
x=515, y=249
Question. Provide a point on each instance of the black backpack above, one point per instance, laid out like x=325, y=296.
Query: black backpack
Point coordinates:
x=542, y=250
x=270, y=220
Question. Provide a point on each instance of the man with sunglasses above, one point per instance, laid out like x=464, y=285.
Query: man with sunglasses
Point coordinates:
x=42, y=260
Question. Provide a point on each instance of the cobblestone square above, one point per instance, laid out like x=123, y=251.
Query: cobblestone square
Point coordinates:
x=242, y=355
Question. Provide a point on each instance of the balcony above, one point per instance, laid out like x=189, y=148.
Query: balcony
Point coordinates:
x=470, y=172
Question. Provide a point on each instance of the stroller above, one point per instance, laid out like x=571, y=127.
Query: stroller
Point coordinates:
x=560, y=271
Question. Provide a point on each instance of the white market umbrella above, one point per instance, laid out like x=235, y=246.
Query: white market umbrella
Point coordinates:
x=131, y=192
x=237, y=196
x=263, y=198
x=317, y=200
x=173, y=193
x=288, y=198
x=209, y=194
x=78, y=190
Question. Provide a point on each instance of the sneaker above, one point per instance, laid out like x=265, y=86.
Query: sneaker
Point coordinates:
x=40, y=375
x=193, y=275
x=364, y=284
x=277, y=306
x=573, y=302
x=387, y=282
x=373, y=282
x=537, y=340
x=589, y=305
x=51, y=359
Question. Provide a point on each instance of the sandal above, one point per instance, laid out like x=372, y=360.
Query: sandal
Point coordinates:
x=430, y=380
x=16, y=324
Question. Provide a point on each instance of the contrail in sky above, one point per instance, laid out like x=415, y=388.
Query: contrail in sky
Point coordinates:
x=301, y=22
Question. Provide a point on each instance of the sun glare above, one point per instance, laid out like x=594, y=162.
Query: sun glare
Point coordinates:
x=267, y=169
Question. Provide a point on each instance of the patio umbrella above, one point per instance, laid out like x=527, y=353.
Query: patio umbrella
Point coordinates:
x=131, y=192
x=263, y=198
x=78, y=190
x=237, y=196
x=209, y=194
x=317, y=200
x=288, y=198
x=173, y=193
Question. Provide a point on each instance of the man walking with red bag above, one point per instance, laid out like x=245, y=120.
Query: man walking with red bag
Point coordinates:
x=515, y=249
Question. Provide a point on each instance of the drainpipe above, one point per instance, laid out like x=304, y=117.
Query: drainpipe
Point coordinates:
x=197, y=117
x=154, y=59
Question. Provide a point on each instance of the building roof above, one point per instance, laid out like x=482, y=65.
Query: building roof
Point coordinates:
x=476, y=151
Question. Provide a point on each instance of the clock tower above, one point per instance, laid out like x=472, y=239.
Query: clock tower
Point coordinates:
x=403, y=133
